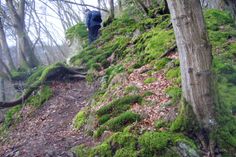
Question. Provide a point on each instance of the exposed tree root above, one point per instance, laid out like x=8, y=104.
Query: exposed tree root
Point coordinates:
x=55, y=72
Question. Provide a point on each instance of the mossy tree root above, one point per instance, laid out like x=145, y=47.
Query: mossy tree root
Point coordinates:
x=54, y=72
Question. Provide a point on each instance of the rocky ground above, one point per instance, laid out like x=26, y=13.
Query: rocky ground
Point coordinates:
x=48, y=131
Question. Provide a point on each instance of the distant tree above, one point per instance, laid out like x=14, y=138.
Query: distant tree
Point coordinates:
x=195, y=62
x=25, y=46
x=112, y=9
x=5, y=47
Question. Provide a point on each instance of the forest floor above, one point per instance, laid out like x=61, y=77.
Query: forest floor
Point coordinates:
x=48, y=131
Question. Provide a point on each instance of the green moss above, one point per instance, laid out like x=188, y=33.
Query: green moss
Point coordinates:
x=81, y=151
x=157, y=143
x=11, y=116
x=79, y=120
x=104, y=119
x=160, y=64
x=149, y=80
x=42, y=96
x=103, y=149
x=126, y=152
x=35, y=76
x=160, y=123
x=216, y=18
x=173, y=73
x=174, y=93
x=185, y=119
x=112, y=71
x=153, y=142
x=123, y=140
x=122, y=120
x=119, y=105
x=77, y=31
x=118, y=123
x=131, y=89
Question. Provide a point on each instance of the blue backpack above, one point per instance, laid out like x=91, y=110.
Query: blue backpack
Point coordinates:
x=96, y=17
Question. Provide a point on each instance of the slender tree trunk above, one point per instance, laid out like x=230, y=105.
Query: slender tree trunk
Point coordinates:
x=18, y=20
x=142, y=5
x=195, y=59
x=2, y=89
x=5, y=48
x=120, y=5
x=112, y=9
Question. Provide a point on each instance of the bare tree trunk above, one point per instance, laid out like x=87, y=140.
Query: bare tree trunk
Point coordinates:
x=112, y=9
x=26, y=47
x=5, y=48
x=195, y=59
x=2, y=89
x=120, y=5
x=142, y=5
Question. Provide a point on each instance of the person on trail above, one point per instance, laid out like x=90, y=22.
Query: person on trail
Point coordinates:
x=93, y=22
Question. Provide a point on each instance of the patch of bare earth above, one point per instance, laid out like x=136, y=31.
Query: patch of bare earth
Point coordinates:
x=48, y=131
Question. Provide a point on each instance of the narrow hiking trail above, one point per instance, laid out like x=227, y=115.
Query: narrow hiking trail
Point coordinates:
x=48, y=130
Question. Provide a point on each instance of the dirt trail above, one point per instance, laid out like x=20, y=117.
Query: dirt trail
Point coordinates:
x=47, y=132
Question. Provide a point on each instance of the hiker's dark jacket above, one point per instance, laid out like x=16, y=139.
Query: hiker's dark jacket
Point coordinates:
x=90, y=19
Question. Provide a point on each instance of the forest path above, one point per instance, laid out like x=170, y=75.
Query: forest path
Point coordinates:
x=47, y=132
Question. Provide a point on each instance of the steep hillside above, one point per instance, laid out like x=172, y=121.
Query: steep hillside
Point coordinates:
x=135, y=111
x=137, y=62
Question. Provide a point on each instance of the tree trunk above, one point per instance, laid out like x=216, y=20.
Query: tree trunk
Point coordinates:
x=5, y=48
x=18, y=20
x=2, y=89
x=143, y=7
x=195, y=59
x=112, y=9
x=120, y=6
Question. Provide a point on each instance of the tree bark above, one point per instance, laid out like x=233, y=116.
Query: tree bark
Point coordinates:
x=120, y=5
x=112, y=9
x=18, y=20
x=5, y=47
x=195, y=59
